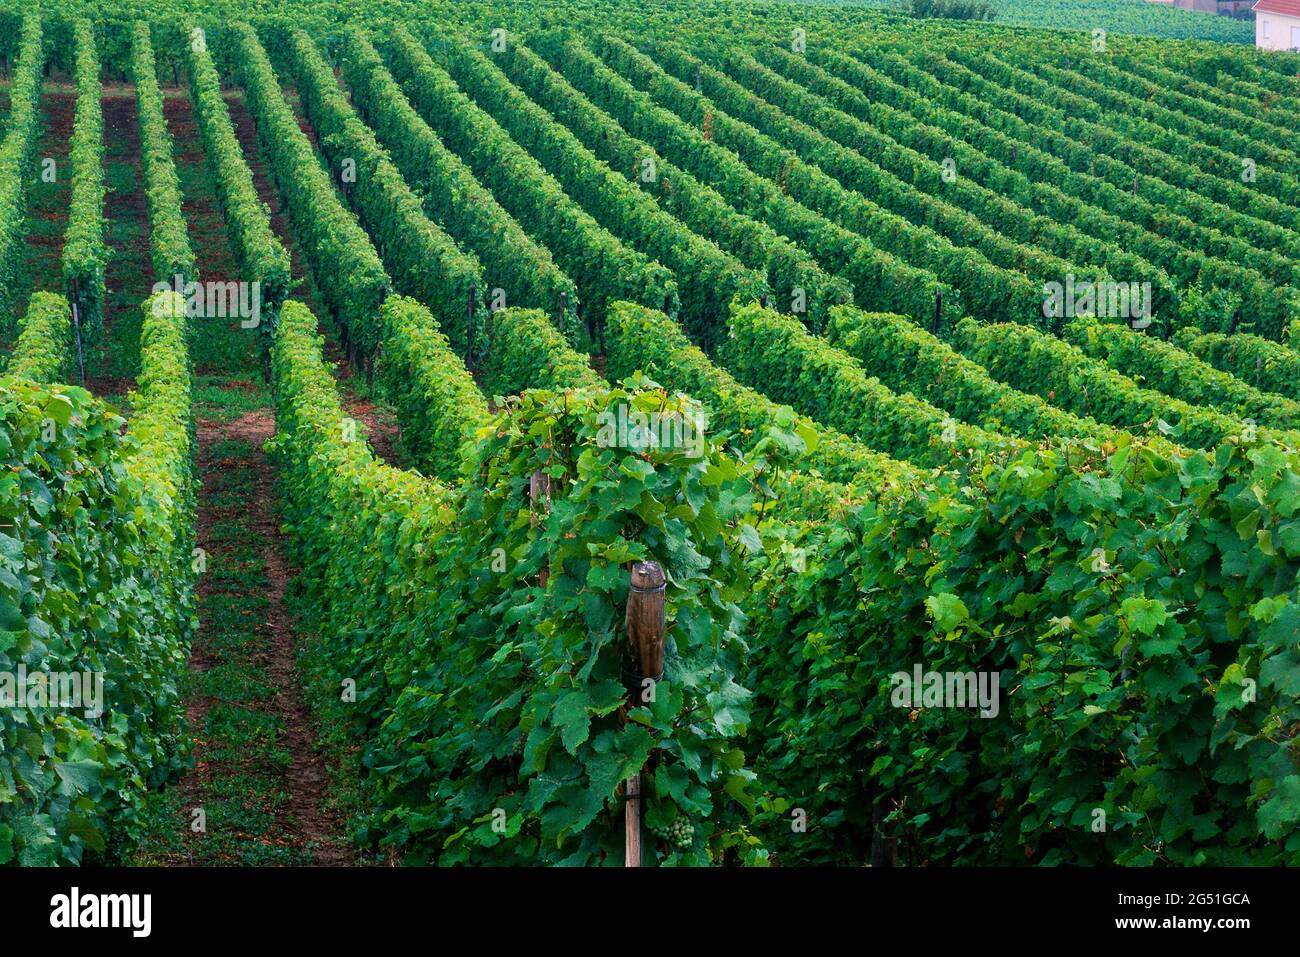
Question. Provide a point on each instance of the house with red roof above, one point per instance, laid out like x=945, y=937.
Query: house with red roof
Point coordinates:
x=1224, y=8
x=1277, y=24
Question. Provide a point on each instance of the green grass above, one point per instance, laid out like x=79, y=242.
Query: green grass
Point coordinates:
x=224, y=399
x=243, y=781
x=48, y=200
x=129, y=276
x=130, y=272
x=222, y=348
x=345, y=795
x=242, y=786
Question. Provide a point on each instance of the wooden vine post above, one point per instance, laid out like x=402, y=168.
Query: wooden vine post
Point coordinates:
x=884, y=845
x=539, y=497
x=76, y=327
x=645, y=634
x=470, y=309
x=374, y=352
x=345, y=340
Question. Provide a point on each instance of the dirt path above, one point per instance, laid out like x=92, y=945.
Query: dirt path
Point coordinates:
x=379, y=424
x=317, y=828
x=48, y=201
x=246, y=133
x=260, y=779
x=236, y=446
x=258, y=782
x=112, y=367
x=222, y=348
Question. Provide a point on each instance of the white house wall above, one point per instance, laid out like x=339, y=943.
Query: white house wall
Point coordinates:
x=1274, y=31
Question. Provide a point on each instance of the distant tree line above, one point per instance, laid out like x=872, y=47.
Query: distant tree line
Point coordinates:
x=951, y=9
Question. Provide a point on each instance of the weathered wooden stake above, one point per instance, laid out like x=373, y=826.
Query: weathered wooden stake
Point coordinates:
x=469, y=322
x=539, y=495
x=539, y=487
x=645, y=634
x=632, y=821
x=76, y=325
x=884, y=848
x=938, y=311
x=564, y=307
x=645, y=619
x=589, y=322
x=384, y=292
x=81, y=354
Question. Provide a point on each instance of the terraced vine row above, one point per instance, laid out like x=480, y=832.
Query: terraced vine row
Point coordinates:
x=827, y=267
x=423, y=260
x=877, y=276
x=603, y=266
x=351, y=275
x=169, y=241
x=85, y=252
x=261, y=255
x=17, y=159
x=451, y=194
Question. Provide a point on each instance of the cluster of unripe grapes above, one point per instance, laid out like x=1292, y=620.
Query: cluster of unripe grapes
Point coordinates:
x=679, y=833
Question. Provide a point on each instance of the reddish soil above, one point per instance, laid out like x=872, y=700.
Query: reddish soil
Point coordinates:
x=48, y=202
x=382, y=432
x=121, y=128
x=121, y=123
x=311, y=826
x=246, y=133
